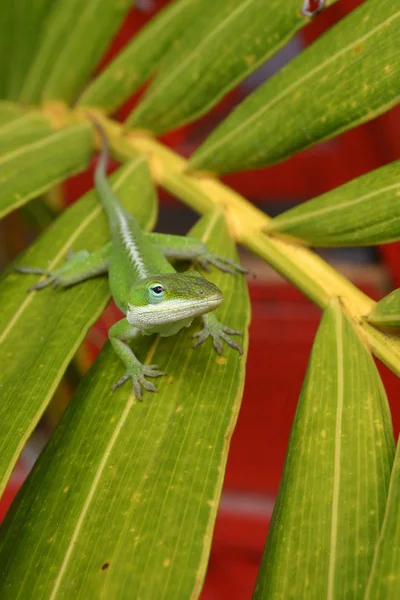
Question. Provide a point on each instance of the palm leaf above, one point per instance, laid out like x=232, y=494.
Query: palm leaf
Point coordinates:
x=41, y=331
x=133, y=487
x=332, y=497
x=365, y=211
x=71, y=47
x=220, y=48
x=348, y=76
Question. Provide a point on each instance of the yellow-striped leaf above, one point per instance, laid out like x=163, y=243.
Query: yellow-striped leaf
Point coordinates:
x=41, y=331
x=123, y=500
x=21, y=30
x=332, y=497
x=365, y=211
x=384, y=579
x=136, y=62
x=225, y=43
x=28, y=128
x=73, y=40
x=387, y=311
x=348, y=76
x=37, y=166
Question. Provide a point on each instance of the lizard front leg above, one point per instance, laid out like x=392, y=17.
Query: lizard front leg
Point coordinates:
x=218, y=332
x=118, y=335
x=190, y=248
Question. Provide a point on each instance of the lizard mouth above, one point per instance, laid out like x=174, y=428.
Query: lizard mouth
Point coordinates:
x=210, y=303
x=177, y=310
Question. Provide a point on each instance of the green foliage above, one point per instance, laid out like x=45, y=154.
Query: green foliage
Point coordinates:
x=384, y=579
x=226, y=42
x=70, y=47
x=34, y=167
x=365, y=211
x=18, y=132
x=348, y=76
x=127, y=480
x=141, y=56
x=387, y=311
x=122, y=501
x=9, y=111
x=21, y=30
x=333, y=493
x=56, y=329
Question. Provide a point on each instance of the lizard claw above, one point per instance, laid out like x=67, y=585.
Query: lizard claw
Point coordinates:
x=138, y=373
x=223, y=264
x=218, y=332
x=31, y=270
x=35, y=271
x=42, y=284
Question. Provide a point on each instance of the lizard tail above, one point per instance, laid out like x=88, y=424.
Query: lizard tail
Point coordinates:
x=101, y=167
x=107, y=197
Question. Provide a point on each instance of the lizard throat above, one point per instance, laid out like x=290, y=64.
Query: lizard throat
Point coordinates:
x=154, y=317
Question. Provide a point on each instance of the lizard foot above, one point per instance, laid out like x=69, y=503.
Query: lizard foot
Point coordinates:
x=223, y=264
x=62, y=275
x=138, y=373
x=218, y=332
x=51, y=278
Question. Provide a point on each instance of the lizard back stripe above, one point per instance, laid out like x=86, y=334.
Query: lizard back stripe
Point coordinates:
x=131, y=246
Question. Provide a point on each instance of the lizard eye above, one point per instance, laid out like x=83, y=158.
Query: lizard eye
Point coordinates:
x=157, y=291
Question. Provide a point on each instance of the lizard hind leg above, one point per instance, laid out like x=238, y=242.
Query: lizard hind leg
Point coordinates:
x=36, y=271
x=78, y=267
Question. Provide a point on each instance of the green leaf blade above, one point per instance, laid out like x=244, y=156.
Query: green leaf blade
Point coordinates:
x=384, y=581
x=42, y=330
x=386, y=312
x=21, y=28
x=9, y=111
x=365, y=211
x=71, y=47
x=220, y=48
x=348, y=76
x=37, y=166
x=137, y=61
x=21, y=131
x=136, y=485
x=333, y=493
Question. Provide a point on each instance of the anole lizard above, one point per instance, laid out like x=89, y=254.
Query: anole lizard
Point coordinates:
x=144, y=285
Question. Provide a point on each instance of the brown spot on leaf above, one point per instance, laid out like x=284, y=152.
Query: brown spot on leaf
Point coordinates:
x=250, y=60
x=358, y=48
x=105, y=566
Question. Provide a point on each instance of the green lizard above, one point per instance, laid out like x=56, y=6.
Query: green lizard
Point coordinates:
x=154, y=297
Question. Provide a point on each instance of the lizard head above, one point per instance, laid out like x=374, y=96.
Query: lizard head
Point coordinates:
x=171, y=298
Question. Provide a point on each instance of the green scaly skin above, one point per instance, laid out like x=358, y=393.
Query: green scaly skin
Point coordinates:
x=144, y=285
